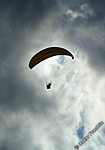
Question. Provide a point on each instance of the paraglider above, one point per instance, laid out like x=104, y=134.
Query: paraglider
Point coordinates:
x=45, y=54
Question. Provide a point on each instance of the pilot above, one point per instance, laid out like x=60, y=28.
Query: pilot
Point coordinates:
x=48, y=85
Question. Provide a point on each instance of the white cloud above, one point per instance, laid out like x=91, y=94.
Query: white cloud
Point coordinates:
x=82, y=13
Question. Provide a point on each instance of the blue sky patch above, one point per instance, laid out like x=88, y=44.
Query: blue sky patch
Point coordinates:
x=61, y=59
x=80, y=132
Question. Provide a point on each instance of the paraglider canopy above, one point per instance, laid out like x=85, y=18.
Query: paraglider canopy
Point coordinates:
x=47, y=53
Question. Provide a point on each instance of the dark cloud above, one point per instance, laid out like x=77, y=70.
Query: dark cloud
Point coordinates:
x=98, y=8
x=23, y=12
x=16, y=17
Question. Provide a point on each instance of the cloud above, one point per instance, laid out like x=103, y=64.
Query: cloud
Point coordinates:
x=31, y=116
x=82, y=13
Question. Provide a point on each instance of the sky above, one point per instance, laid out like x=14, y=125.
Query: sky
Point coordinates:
x=32, y=117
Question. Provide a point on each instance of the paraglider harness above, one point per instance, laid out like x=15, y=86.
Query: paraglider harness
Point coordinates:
x=48, y=85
